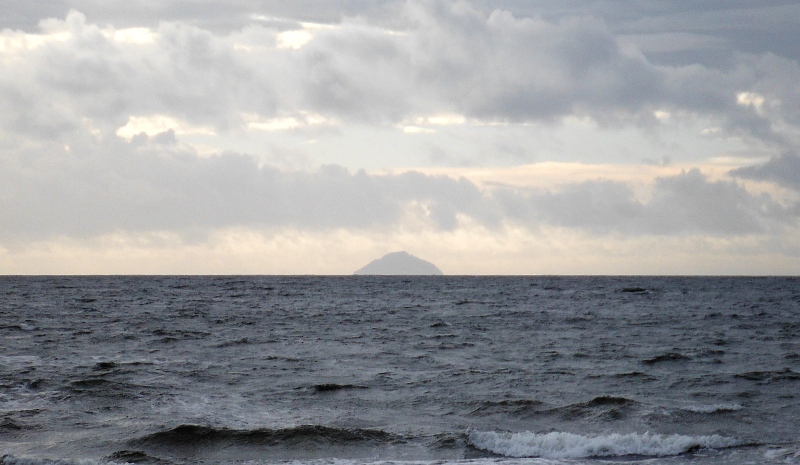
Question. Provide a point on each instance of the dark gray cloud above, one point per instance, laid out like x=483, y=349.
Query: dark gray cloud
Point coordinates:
x=783, y=170
x=152, y=184
x=731, y=27
x=689, y=202
x=499, y=67
x=143, y=186
x=600, y=206
x=683, y=204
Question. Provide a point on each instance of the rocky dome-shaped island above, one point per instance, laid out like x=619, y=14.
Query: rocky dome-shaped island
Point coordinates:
x=401, y=264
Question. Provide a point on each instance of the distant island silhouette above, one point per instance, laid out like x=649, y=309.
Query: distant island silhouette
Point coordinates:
x=399, y=263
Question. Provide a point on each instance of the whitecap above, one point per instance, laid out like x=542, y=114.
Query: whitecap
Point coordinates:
x=714, y=408
x=561, y=445
x=9, y=459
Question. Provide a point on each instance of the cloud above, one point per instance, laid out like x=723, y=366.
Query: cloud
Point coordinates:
x=783, y=170
x=207, y=14
x=120, y=123
x=158, y=184
x=600, y=206
x=440, y=58
x=82, y=72
x=153, y=184
x=748, y=26
x=687, y=203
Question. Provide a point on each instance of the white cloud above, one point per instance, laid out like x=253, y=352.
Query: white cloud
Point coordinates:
x=156, y=124
x=661, y=115
x=294, y=39
x=301, y=120
x=418, y=130
x=750, y=99
x=133, y=35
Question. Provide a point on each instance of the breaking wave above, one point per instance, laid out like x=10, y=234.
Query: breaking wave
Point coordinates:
x=9, y=459
x=715, y=408
x=559, y=445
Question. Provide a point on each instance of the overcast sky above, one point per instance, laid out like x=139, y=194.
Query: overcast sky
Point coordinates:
x=488, y=137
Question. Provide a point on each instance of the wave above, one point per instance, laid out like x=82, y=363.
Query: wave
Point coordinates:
x=765, y=377
x=299, y=436
x=715, y=408
x=331, y=387
x=601, y=407
x=632, y=375
x=560, y=445
x=233, y=343
x=607, y=408
x=514, y=407
x=135, y=456
x=600, y=401
x=105, y=365
x=633, y=290
x=10, y=459
x=98, y=387
x=179, y=335
x=668, y=357
x=9, y=425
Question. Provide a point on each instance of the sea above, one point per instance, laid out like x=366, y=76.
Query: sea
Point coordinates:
x=346, y=370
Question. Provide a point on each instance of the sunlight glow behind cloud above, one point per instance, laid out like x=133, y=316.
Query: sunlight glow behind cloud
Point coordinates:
x=156, y=124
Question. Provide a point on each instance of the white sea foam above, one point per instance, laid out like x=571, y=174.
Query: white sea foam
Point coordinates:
x=713, y=408
x=480, y=461
x=13, y=460
x=783, y=455
x=20, y=361
x=559, y=445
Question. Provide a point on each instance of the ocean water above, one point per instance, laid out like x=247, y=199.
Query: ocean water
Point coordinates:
x=396, y=370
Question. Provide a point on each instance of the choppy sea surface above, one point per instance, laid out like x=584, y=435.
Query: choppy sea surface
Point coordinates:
x=400, y=370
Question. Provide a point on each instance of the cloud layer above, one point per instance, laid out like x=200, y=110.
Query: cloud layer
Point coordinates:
x=439, y=58
x=783, y=170
x=148, y=188
x=118, y=126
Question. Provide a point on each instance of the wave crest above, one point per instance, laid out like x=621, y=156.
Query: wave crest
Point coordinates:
x=560, y=445
x=715, y=408
x=10, y=459
x=185, y=435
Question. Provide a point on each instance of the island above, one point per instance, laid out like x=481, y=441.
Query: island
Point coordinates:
x=400, y=264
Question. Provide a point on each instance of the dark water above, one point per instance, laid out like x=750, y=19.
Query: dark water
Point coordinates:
x=345, y=370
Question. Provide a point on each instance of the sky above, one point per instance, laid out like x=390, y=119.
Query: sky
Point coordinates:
x=487, y=137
